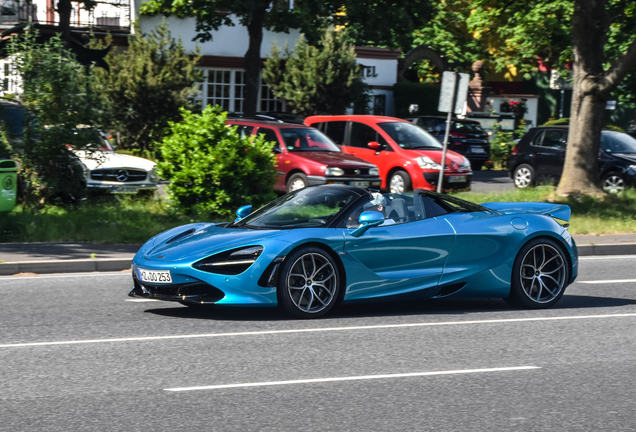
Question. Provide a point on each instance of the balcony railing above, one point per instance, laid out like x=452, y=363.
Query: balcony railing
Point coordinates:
x=111, y=15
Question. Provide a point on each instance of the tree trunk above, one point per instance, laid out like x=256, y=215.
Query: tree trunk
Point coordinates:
x=592, y=86
x=253, y=58
x=64, y=8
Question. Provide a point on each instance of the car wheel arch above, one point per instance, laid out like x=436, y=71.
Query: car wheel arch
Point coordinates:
x=333, y=254
x=555, y=239
x=292, y=172
x=395, y=169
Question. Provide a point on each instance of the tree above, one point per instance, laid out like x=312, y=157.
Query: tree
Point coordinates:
x=596, y=36
x=321, y=79
x=56, y=102
x=146, y=86
x=212, y=168
x=384, y=22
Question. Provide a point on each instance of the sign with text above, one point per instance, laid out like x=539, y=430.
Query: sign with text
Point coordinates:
x=451, y=82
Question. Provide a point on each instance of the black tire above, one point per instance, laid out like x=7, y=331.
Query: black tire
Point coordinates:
x=524, y=176
x=298, y=293
x=294, y=182
x=613, y=182
x=399, y=181
x=540, y=260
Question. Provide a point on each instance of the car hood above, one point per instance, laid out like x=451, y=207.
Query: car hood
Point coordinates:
x=436, y=156
x=197, y=242
x=626, y=156
x=338, y=159
x=106, y=160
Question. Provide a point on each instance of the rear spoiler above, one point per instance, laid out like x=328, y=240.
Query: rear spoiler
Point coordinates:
x=557, y=211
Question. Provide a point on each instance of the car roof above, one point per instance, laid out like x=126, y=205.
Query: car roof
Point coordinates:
x=275, y=124
x=444, y=119
x=362, y=118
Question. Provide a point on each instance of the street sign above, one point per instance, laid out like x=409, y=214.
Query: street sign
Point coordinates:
x=449, y=84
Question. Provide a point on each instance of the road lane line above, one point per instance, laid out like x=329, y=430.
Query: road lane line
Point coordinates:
x=316, y=330
x=608, y=281
x=606, y=257
x=351, y=378
x=69, y=275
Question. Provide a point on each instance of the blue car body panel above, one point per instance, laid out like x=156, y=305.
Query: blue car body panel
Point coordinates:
x=471, y=252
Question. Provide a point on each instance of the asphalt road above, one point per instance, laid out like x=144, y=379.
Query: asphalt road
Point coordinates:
x=77, y=355
x=491, y=182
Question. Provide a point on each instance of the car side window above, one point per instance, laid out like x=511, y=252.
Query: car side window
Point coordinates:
x=362, y=135
x=554, y=139
x=336, y=131
x=270, y=135
x=396, y=208
x=244, y=130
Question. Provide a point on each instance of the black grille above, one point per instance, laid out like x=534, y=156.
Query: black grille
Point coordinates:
x=194, y=291
x=360, y=171
x=119, y=175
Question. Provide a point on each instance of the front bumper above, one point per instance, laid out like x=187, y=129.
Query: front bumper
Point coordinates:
x=433, y=177
x=187, y=293
x=116, y=188
x=373, y=182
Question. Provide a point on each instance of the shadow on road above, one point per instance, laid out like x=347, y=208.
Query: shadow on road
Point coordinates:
x=411, y=308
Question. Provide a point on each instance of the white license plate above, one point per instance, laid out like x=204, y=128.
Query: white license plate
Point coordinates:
x=456, y=179
x=359, y=184
x=477, y=149
x=157, y=277
x=124, y=189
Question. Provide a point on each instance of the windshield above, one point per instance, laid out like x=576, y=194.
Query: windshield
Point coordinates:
x=409, y=136
x=305, y=208
x=305, y=139
x=618, y=143
x=466, y=127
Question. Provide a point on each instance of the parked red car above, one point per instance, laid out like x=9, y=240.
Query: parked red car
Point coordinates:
x=408, y=157
x=305, y=156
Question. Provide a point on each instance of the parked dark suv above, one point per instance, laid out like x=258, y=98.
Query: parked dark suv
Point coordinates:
x=540, y=154
x=465, y=137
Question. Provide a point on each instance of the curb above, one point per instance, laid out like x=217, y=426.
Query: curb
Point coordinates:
x=66, y=266
x=120, y=264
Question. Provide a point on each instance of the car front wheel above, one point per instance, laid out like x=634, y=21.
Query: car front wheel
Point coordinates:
x=309, y=283
x=613, y=182
x=296, y=181
x=399, y=182
x=540, y=275
x=524, y=176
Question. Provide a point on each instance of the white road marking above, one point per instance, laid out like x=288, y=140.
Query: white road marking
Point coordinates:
x=317, y=330
x=351, y=378
x=609, y=281
x=69, y=275
x=141, y=300
x=606, y=257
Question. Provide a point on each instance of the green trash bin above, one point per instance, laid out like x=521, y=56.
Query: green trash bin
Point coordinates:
x=8, y=184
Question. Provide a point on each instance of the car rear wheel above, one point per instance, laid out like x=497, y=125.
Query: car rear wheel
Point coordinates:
x=540, y=275
x=399, y=182
x=524, y=176
x=309, y=283
x=296, y=181
x=614, y=183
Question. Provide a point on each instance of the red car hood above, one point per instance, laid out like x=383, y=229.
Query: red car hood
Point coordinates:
x=436, y=156
x=339, y=159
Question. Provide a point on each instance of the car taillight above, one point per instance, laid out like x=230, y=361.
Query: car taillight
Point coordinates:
x=514, y=151
x=458, y=135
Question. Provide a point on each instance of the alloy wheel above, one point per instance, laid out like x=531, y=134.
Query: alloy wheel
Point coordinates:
x=312, y=283
x=614, y=184
x=296, y=184
x=543, y=273
x=397, y=184
x=523, y=177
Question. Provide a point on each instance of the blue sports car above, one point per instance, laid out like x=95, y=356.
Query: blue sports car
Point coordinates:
x=315, y=247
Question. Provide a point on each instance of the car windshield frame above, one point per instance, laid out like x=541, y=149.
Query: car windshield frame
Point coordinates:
x=617, y=143
x=300, y=142
x=302, y=209
x=411, y=137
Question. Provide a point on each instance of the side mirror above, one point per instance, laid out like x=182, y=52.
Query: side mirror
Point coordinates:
x=368, y=220
x=243, y=212
x=374, y=145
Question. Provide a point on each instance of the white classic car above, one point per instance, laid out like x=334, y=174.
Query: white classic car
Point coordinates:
x=115, y=173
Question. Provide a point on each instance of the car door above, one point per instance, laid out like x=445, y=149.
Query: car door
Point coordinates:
x=357, y=144
x=549, y=153
x=405, y=256
x=283, y=165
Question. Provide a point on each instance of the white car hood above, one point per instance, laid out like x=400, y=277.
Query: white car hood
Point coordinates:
x=106, y=160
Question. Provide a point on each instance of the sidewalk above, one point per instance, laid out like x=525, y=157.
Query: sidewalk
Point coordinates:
x=43, y=258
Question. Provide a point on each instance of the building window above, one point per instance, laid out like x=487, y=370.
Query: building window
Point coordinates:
x=269, y=102
x=218, y=86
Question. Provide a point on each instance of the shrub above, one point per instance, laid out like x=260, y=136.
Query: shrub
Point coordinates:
x=211, y=168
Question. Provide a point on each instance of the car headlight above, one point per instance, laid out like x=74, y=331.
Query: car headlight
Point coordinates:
x=466, y=164
x=374, y=171
x=426, y=162
x=153, y=176
x=632, y=168
x=334, y=171
x=231, y=262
